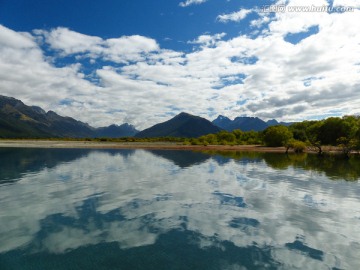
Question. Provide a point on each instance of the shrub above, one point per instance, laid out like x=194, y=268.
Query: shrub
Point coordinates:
x=299, y=146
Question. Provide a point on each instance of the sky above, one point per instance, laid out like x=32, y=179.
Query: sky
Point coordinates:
x=142, y=62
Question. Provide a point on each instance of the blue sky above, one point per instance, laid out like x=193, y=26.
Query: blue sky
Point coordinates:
x=160, y=19
x=143, y=62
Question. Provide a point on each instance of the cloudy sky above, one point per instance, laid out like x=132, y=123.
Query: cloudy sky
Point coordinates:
x=142, y=62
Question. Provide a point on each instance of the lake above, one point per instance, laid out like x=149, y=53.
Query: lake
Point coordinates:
x=137, y=209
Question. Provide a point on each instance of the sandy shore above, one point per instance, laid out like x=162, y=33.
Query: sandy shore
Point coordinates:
x=133, y=145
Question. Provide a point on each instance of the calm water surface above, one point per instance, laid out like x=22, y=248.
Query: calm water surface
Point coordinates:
x=136, y=209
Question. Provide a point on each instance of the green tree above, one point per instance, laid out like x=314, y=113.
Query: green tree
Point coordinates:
x=226, y=137
x=313, y=135
x=276, y=136
x=299, y=130
x=334, y=128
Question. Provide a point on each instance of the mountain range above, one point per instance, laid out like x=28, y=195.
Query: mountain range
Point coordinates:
x=18, y=120
x=246, y=123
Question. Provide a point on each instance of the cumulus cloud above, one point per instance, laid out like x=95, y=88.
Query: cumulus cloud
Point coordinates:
x=208, y=40
x=119, y=50
x=70, y=42
x=26, y=73
x=134, y=80
x=191, y=2
x=235, y=16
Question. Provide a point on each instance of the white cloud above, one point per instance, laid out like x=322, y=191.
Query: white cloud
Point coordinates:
x=208, y=40
x=235, y=16
x=11, y=39
x=119, y=50
x=260, y=22
x=272, y=75
x=128, y=48
x=191, y=2
x=70, y=42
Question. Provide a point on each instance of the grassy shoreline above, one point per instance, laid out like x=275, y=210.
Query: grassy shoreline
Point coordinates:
x=41, y=143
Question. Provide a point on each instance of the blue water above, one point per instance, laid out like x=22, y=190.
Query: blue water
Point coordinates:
x=137, y=209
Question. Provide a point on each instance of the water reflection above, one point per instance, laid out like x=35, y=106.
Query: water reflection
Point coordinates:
x=182, y=158
x=117, y=209
x=335, y=166
x=27, y=160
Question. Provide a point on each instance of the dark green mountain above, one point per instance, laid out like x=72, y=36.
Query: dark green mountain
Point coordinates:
x=21, y=121
x=182, y=125
x=18, y=120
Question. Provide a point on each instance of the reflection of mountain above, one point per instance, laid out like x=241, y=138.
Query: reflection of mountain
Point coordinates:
x=223, y=157
x=17, y=162
x=182, y=158
x=126, y=153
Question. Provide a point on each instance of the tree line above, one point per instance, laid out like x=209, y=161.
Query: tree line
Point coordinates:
x=334, y=131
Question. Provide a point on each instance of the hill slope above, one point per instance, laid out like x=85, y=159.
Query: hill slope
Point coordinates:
x=182, y=125
x=18, y=120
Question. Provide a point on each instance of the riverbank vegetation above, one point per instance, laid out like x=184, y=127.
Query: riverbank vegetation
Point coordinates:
x=343, y=133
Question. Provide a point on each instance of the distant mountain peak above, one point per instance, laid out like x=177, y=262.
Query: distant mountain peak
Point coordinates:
x=184, y=114
x=116, y=131
x=182, y=125
x=245, y=123
x=272, y=122
x=222, y=117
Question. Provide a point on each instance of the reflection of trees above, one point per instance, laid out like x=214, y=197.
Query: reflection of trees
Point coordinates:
x=281, y=161
x=334, y=166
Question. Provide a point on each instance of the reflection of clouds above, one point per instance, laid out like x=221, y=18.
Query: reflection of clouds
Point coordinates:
x=134, y=199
